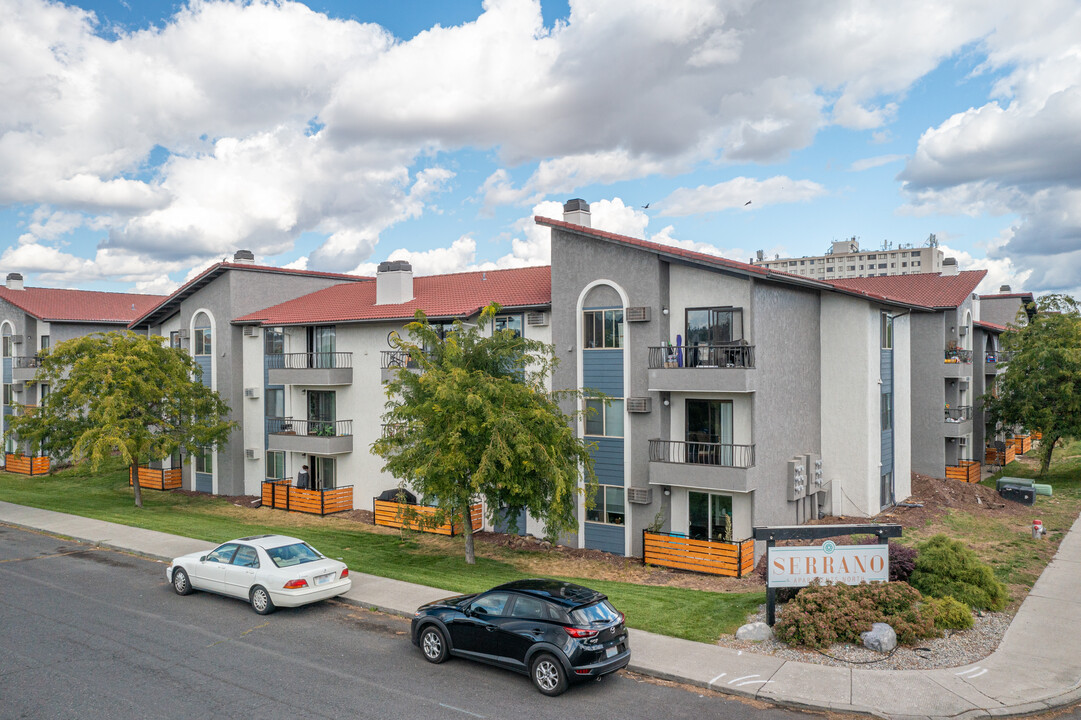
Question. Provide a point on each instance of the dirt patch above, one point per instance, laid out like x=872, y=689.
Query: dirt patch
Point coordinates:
x=246, y=501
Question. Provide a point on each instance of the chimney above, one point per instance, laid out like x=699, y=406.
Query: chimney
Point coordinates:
x=246, y=257
x=15, y=281
x=1004, y=289
x=393, y=282
x=949, y=267
x=576, y=211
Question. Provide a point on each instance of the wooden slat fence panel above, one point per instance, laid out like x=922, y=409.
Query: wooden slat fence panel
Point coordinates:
x=734, y=559
x=992, y=455
x=389, y=514
x=158, y=478
x=281, y=494
x=1022, y=444
x=965, y=471
x=25, y=465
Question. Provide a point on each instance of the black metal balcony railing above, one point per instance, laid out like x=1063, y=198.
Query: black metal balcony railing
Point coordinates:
x=702, y=356
x=28, y=362
x=309, y=428
x=1003, y=356
x=958, y=355
x=395, y=359
x=701, y=453
x=309, y=360
x=961, y=413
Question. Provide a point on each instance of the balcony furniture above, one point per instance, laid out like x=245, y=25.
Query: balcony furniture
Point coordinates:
x=396, y=515
x=703, y=355
x=26, y=465
x=715, y=557
x=281, y=495
x=157, y=478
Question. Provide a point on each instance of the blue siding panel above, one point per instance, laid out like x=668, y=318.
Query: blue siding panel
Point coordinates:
x=510, y=525
x=7, y=371
x=204, y=361
x=204, y=482
x=608, y=538
x=886, y=367
x=607, y=460
x=603, y=370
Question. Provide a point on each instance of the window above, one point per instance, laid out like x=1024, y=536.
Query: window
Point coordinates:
x=45, y=342
x=887, y=411
x=531, y=608
x=870, y=257
x=204, y=460
x=851, y=267
x=608, y=505
x=861, y=267
x=801, y=262
x=273, y=341
x=915, y=263
x=886, y=332
x=275, y=465
x=322, y=472
x=829, y=269
x=509, y=322
x=904, y=264
x=602, y=420
x=8, y=395
x=275, y=402
x=44, y=392
x=321, y=344
x=714, y=325
x=810, y=262
x=791, y=263
x=295, y=554
x=7, y=346
x=174, y=339
x=882, y=266
x=202, y=341
x=223, y=554
x=321, y=412
x=709, y=432
x=709, y=516
x=491, y=604
x=246, y=557
x=603, y=329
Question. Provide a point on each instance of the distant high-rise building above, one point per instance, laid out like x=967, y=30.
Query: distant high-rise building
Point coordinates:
x=846, y=260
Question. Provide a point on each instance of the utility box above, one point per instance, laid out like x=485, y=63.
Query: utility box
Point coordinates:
x=797, y=478
x=815, y=478
x=1018, y=493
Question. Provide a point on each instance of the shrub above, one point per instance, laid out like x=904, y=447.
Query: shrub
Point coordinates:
x=784, y=594
x=825, y=614
x=946, y=568
x=902, y=562
x=949, y=614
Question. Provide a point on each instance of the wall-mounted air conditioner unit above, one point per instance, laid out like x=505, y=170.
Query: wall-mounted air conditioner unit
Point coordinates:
x=252, y=392
x=536, y=318
x=251, y=453
x=640, y=495
x=962, y=441
x=249, y=330
x=639, y=404
x=182, y=333
x=638, y=314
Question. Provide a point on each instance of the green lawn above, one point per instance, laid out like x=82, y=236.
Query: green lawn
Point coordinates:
x=690, y=614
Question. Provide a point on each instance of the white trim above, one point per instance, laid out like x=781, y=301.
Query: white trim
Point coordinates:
x=579, y=308
x=213, y=382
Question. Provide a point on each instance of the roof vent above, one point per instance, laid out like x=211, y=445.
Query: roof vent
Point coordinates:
x=246, y=257
x=393, y=282
x=1004, y=289
x=576, y=211
x=949, y=266
x=15, y=281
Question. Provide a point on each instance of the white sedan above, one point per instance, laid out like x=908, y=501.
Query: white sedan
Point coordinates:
x=268, y=571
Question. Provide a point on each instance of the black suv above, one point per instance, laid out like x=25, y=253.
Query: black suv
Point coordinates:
x=557, y=632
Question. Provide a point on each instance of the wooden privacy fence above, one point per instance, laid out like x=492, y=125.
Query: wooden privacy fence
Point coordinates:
x=1022, y=444
x=965, y=471
x=26, y=465
x=281, y=495
x=716, y=557
x=392, y=514
x=157, y=478
x=998, y=457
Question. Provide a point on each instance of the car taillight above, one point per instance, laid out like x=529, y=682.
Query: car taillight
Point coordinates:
x=622, y=617
x=580, y=632
x=296, y=584
x=345, y=574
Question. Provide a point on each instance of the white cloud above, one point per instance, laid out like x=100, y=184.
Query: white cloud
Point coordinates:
x=739, y=193
x=873, y=162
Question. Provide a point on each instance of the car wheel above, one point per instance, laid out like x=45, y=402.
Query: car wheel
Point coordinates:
x=181, y=584
x=433, y=644
x=548, y=675
x=260, y=600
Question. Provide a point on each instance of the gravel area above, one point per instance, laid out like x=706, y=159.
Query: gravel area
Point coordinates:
x=953, y=650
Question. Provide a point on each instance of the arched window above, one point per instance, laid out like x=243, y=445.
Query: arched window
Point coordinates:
x=202, y=341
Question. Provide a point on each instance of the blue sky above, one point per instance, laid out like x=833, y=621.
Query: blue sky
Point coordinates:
x=144, y=140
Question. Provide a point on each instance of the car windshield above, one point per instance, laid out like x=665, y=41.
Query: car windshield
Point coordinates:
x=289, y=555
x=600, y=613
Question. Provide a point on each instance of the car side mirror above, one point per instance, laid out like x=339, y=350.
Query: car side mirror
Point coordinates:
x=478, y=611
x=202, y=559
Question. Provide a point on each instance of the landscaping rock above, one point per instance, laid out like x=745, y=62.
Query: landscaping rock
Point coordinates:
x=880, y=638
x=756, y=632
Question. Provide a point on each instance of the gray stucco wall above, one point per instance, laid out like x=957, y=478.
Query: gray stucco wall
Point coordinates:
x=1000, y=311
x=928, y=393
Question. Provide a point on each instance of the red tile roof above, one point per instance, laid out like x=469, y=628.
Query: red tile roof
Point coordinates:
x=166, y=304
x=456, y=295
x=56, y=305
x=999, y=296
x=929, y=290
x=995, y=327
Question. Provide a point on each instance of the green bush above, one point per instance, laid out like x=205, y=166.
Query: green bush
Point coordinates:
x=946, y=568
x=949, y=614
x=825, y=614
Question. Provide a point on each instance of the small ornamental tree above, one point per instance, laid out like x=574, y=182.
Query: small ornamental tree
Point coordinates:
x=1041, y=387
x=122, y=393
x=477, y=420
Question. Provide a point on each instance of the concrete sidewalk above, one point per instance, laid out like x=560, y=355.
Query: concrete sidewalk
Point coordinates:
x=1036, y=667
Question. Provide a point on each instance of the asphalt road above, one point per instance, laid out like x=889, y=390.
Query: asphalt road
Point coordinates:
x=92, y=633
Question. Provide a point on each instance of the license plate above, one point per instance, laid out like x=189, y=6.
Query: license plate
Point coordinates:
x=323, y=579
x=611, y=652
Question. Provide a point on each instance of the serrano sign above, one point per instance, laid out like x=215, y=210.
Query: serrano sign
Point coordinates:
x=829, y=562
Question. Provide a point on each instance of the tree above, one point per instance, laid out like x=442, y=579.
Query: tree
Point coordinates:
x=478, y=420
x=1041, y=387
x=122, y=393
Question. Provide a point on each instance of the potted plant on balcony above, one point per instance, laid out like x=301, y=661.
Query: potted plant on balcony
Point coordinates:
x=323, y=429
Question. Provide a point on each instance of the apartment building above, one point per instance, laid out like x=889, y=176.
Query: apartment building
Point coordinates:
x=33, y=319
x=846, y=260
x=738, y=395
x=314, y=369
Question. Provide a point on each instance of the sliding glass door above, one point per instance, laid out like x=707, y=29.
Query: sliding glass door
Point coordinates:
x=709, y=432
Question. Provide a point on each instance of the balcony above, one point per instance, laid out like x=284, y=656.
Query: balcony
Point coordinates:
x=315, y=437
x=311, y=368
x=391, y=360
x=707, y=466
x=958, y=421
x=24, y=368
x=701, y=368
x=957, y=363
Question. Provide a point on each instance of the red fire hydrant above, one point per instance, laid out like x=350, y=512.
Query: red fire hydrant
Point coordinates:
x=1037, y=529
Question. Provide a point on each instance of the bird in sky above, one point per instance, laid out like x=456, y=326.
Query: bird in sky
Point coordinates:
x=746, y=203
x=646, y=206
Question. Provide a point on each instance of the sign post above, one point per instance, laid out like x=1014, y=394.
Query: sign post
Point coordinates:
x=847, y=565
